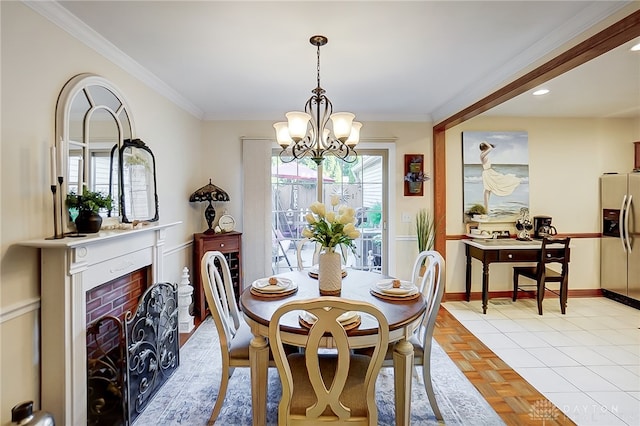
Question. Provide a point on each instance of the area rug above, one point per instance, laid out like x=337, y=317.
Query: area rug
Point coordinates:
x=187, y=398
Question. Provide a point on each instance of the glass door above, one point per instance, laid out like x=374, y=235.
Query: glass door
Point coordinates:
x=361, y=185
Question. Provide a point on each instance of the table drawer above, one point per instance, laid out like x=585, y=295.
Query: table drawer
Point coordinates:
x=518, y=255
x=232, y=243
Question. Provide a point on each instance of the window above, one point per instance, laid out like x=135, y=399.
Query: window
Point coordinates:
x=361, y=185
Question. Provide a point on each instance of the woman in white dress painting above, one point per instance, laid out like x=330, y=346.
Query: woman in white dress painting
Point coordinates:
x=494, y=182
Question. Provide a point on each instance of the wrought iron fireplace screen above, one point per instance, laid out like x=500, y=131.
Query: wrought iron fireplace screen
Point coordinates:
x=122, y=380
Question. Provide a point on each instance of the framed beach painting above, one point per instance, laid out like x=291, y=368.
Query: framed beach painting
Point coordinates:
x=495, y=167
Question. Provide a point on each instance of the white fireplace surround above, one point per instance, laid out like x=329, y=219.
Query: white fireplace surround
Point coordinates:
x=70, y=267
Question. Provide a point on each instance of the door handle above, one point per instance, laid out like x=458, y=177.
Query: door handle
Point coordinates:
x=627, y=212
x=621, y=223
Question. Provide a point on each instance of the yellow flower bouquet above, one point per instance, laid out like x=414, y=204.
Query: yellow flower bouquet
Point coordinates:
x=331, y=228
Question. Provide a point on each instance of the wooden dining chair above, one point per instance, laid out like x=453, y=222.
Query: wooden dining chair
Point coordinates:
x=332, y=386
x=542, y=274
x=428, y=275
x=233, y=332
x=305, y=242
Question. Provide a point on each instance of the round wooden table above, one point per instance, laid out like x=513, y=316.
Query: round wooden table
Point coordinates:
x=403, y=316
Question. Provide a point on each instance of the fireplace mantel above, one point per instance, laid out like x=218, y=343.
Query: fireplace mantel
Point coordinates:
x=69, y=268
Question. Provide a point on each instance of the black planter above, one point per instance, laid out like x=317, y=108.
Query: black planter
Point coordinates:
x=88, y=222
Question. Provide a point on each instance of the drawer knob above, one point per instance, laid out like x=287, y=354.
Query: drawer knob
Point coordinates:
x=510, y=256
x=221, y=244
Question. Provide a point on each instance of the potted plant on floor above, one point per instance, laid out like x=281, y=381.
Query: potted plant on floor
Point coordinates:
x=88, y=206
x=426, y=232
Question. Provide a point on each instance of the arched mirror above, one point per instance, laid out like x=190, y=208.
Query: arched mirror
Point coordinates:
x=139, y=200
x=92, y=121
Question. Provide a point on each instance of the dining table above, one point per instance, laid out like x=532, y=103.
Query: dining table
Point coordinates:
x=403, y=315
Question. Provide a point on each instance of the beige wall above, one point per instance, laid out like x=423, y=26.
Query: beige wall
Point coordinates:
x=37, y=59
x=566, y=158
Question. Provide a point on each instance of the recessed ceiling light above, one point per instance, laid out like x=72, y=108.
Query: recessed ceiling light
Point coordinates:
x=540, y=92
x=635, y=48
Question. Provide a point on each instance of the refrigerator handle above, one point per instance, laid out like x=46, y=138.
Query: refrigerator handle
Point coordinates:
x=627, y=213
x=622, y=224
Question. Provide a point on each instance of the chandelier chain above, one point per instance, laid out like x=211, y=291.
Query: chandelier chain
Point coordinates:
x=318, y=69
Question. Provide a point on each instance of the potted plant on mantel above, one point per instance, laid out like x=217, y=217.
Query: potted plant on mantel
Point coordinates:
x=88, y=206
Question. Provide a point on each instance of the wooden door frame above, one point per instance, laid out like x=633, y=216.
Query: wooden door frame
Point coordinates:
x=611, y=37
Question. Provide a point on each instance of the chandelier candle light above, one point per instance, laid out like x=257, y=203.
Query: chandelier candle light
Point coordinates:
x=298, y=140
x=331, y=229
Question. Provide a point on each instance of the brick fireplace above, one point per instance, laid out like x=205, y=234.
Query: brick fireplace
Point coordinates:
x=71, y=269
x=115, y=298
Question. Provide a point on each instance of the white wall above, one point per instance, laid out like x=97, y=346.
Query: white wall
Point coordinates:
x=37, y=59
x=566, y=158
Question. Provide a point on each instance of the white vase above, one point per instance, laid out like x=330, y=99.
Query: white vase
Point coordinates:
x=330, y=273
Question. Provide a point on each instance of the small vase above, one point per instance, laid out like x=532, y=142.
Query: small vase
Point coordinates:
x=330, y=273
x=88, y=222
x=415, y=187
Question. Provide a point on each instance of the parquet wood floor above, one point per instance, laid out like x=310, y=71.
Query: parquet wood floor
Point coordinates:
x=515, y=400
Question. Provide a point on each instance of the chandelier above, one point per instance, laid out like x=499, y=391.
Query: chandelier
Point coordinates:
x=307, y=134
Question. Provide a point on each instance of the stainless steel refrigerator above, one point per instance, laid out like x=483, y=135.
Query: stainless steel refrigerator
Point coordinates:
x=620, y=243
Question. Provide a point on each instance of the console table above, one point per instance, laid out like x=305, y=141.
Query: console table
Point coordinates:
x=499, y=250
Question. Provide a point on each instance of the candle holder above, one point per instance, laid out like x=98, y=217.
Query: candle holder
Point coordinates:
x=60, y=181
x=56, y=235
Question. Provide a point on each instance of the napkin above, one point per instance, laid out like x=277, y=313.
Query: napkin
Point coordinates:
x=346, y=318
x=264, y=285
x=386, y=287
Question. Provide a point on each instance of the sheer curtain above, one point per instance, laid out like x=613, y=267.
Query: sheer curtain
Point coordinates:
x=256, y=208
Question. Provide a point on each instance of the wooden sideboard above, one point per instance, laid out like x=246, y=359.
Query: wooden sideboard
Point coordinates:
x=229, y=244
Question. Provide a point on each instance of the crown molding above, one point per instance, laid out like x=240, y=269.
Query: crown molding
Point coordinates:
x=61, y=17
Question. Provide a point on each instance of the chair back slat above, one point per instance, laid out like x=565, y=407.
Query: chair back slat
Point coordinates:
x=299, y=249
x=554, y=250
x=327, y=388
x=431, y=285
x=218, y=290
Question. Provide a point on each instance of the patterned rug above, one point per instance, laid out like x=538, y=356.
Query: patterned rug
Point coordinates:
x=187, y=398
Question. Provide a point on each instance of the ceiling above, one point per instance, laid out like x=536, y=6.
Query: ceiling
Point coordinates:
x=385, y=60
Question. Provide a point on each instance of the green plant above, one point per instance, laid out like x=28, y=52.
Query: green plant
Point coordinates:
x=477, y=209
x=425, y=230
x=89, y=201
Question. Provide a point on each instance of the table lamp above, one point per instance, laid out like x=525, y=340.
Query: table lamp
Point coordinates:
x=210, y=193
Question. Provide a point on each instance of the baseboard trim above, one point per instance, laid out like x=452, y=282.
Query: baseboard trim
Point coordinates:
x=634, y=303
x=461, y=297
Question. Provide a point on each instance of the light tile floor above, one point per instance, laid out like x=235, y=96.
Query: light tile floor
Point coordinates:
x=586, y=362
